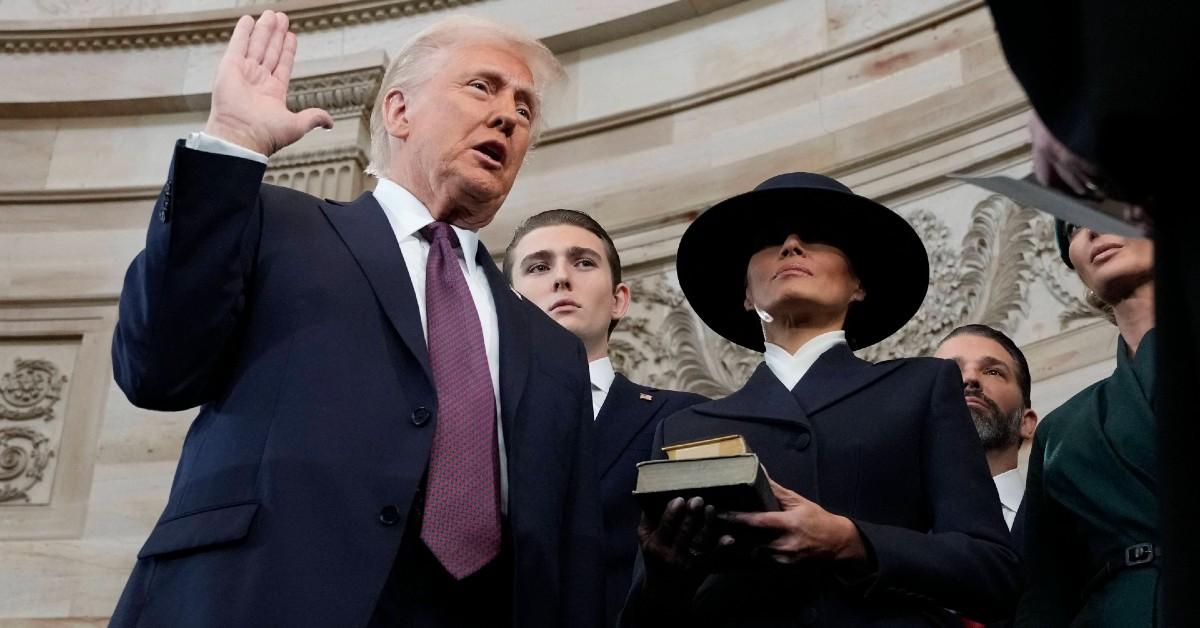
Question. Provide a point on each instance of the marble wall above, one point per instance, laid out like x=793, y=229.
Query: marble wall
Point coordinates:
x=672, y=105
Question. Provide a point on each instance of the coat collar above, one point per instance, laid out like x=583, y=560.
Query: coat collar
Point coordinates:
x=364, y=228
x=836, y=375
x=516, y=345
x=624, y=415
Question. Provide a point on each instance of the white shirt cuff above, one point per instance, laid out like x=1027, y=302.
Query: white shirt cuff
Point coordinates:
x=203, y=142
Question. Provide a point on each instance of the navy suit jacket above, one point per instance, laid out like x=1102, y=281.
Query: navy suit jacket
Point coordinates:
x=890, y=446
x=293, y=322
x=625, y=432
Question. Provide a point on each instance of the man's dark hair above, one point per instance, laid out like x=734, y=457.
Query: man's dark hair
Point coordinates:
x=991, y=333
x=569, y=217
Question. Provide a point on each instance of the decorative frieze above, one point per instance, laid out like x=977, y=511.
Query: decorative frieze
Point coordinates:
x=30, y=390
x=339, y=94
x=30, y=394
x=191, y=30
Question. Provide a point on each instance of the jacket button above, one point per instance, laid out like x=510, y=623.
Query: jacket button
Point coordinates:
x=800, y=443
x=389, y=515
x=421, y=416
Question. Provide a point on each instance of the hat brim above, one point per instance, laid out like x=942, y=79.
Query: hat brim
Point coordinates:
x=885, y=253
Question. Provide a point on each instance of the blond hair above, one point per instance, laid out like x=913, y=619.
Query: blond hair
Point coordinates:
x=415, y=63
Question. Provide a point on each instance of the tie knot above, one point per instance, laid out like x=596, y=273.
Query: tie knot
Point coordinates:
x=436, y=230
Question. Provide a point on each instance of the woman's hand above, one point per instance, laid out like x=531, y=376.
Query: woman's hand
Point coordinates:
x=805, y=530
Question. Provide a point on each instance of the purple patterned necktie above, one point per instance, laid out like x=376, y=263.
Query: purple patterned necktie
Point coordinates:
x=462, y=506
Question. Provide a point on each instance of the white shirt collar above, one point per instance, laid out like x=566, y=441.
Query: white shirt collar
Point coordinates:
x=602, y=373
x=408, y=215
x=1011, y=488
x=790, y=367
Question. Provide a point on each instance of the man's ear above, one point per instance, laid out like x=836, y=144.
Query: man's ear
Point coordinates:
x=1029, y=421
x=622, y=298
x=395, y=114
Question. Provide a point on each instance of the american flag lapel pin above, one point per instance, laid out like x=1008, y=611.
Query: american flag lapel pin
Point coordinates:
x=646, y=397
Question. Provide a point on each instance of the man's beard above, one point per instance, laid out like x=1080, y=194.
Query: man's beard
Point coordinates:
x=996, y=429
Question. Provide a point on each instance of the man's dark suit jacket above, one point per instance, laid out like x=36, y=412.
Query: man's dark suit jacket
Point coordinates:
x=624, y=432
x=293, y=322
x=892, y=447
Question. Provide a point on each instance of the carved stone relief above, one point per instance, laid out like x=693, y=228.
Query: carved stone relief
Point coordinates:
x=31, y=424
x=985, y=277
x=30, y=390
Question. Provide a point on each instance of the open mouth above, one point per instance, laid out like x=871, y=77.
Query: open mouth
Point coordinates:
x=492, y=151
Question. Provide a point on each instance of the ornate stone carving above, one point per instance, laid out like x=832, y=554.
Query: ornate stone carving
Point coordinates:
x=30, y=390
x=335, y=173
x=191, y=30
x=983, y=279
x=338, y=94
x=24, y=456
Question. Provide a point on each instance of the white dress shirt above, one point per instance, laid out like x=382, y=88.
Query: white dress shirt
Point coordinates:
x=602, y=375
x=790, y=367
x=408, y=216
x=1011, y=487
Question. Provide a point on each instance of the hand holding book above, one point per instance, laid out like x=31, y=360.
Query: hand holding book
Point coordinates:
x=802, y=530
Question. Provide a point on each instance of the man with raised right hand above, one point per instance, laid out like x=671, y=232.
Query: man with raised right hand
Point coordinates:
x=381, y=441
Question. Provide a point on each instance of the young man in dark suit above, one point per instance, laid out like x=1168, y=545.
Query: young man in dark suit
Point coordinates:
x=565, y=263
x=388, y=435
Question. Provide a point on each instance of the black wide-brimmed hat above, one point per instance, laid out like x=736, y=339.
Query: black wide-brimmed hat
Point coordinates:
x=884, y=252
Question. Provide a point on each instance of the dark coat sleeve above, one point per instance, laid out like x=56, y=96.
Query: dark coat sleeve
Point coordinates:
x=184, y=296
x=965, y=561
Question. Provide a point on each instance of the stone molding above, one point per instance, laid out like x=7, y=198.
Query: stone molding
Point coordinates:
x=338, y=93
x=203, y=27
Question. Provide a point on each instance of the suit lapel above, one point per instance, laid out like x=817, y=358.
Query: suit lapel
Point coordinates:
x=762, y=399
x=837, y=374
x=364, y=228
x=515, y=345
x=624, y=415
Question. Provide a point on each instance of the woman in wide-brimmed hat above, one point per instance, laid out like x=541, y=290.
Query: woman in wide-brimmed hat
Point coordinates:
x=889, y=516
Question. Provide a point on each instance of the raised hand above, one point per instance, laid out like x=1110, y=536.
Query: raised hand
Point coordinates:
x=249, y=95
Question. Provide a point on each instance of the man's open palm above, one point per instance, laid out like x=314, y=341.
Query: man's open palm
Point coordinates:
x=249, y=95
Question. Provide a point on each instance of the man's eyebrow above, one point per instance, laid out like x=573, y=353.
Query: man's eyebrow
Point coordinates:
x=578, y=251
x=525, y=91
x=991, y=361
x=539, y=256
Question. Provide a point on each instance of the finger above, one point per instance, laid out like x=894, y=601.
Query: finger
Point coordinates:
x=275, y=44
x=260, y=36
x=287, y=56
x=753, y=519
x=240, y=40
x=682, y=542
x=668, y=525
x=313, y=118
x=1070, y=178
x=704, y=537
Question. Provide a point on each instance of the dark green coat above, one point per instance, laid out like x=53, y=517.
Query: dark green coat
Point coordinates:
x=1092, y=490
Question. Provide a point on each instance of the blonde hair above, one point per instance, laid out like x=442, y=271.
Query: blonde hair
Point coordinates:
x=415, y=63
